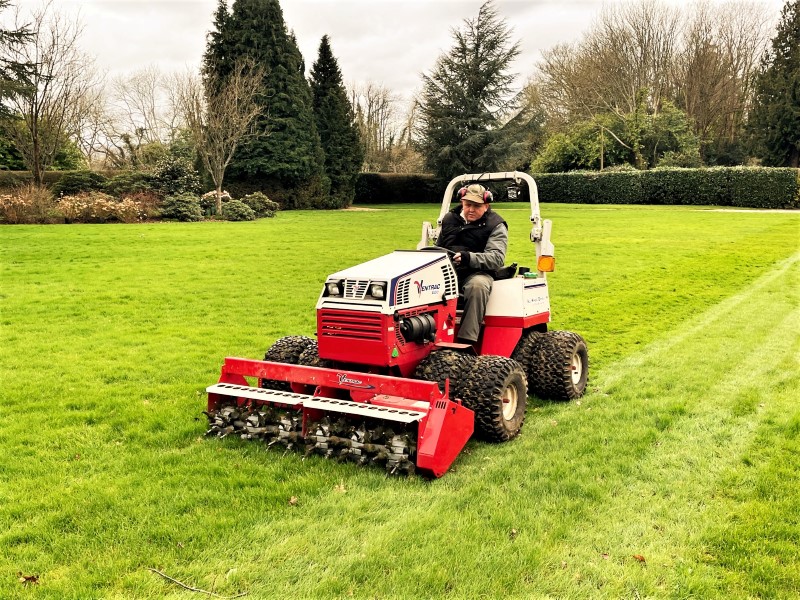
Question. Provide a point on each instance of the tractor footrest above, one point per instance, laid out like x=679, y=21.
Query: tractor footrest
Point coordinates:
x=366, y=410
x=253, y=393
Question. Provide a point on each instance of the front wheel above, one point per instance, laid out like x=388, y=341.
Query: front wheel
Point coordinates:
x=285, y=350
x=496, y=390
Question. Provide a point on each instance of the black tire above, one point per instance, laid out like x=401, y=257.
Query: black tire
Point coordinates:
x=310, y=357
x=443, y=364
x=524, y=353
x=285, y=350
x=496, y=390
x=559, y=367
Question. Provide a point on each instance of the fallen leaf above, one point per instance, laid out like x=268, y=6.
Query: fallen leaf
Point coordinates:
x=639, y=557
x=605, y=555
x=563, y=564
x=28, y=579
x=512, y=534
x=293, y=501
x=340, y=488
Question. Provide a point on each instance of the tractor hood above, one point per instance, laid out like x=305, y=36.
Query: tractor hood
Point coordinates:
x=402, y=279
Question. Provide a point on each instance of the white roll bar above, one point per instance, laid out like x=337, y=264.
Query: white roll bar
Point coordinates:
x=540, y=230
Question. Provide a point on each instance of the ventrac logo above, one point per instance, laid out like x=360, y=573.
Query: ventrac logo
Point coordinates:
x=344, y=379
x=433, y=288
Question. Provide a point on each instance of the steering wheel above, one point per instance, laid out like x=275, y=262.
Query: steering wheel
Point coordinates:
x=447, y=251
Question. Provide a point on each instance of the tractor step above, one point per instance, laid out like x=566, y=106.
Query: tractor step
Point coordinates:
x=254, y=393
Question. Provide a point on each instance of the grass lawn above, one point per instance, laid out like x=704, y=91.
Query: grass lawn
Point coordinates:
x=677, y=475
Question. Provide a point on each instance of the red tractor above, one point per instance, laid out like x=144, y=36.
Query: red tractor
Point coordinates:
x=384, y=381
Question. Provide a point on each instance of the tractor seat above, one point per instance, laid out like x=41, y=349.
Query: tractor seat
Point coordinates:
x=506, y=272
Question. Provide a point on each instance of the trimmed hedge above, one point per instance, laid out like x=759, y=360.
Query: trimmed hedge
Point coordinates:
x=396, y=188
x=752, y=187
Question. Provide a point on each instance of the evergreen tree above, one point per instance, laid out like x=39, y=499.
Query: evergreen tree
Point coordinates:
x=466, y=96
x=14, y=75
x=775, y=117
x=289, y=160
x=336, y=126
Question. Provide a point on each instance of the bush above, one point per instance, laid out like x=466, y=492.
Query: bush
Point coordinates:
x=130, y=183
x=148, y=203
x=97, y=207
x=387, y=188
x=261, y=205
x=75, y=182
x=182, y=207
x=175, y=176
x=208, y=202
x=236, y=210
x=29, y=204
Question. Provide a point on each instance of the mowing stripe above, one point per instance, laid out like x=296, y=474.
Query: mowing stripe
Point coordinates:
x=670, y=500
x=693, y=327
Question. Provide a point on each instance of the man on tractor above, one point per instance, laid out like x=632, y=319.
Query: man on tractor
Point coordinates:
x=479, y=237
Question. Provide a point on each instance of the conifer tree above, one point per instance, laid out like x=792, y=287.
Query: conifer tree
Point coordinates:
x=774, y=121
x=288, y=162
x=336, y=126
x=466, y=96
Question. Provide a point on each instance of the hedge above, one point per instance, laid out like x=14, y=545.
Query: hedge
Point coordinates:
x=752, y=187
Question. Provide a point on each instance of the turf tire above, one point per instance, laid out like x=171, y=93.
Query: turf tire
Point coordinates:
x=559, y=367
x=524, y=353
x=285, y=350
x=443, y=364
x=495, y=390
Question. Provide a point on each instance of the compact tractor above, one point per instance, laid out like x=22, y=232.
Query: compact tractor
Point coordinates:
x=385, y=382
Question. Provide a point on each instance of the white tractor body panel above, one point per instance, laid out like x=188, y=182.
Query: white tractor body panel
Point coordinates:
x=411, y=279
x=519, y=297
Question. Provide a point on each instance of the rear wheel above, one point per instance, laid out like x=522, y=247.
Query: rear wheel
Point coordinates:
x=524, y=353
x=443, y=364
x=496, y=390
x=285, y=350
x=559, y=367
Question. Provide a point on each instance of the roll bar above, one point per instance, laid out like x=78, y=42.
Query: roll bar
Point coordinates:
x=540, y=230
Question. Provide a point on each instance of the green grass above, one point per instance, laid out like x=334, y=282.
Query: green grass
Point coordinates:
x=684, y=452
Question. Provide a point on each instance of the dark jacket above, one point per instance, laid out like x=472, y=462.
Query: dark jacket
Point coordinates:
x=482, y=243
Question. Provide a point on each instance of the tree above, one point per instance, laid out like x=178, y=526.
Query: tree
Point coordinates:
x=291, y=157
x=774, y=121
x=466, y=96
x=14, y=75
x=47, y=111
x=336, y=126
x=221, y=115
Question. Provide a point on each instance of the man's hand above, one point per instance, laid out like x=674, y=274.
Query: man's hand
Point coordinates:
x=457, y=258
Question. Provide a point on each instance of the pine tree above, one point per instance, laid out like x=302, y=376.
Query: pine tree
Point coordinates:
x=14, y=75
x=336, y=126
x=289, y=160
x=466, y=96
x=774, y=121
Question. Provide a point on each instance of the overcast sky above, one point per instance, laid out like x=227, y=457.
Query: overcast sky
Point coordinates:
x=390, y=42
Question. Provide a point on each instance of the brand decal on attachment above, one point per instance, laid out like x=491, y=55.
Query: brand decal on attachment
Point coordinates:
x=431, y=287
x=351, y=382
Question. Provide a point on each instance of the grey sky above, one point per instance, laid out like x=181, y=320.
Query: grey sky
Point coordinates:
x=382, y=41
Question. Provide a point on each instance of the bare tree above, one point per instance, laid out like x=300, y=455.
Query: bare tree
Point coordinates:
x=49, y=111
x=221, y=115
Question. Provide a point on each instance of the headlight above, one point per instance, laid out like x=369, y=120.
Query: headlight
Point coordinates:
x=378, y=290
x=334, y=288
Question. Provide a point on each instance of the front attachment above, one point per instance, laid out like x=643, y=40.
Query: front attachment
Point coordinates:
x=406, y=425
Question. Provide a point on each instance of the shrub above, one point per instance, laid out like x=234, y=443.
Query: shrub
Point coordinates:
x=182, y=207
x=29, y=204
x=208, y=202
x=96, y=207
x=75, y=182
x=261, y=205
x=175, y=176
x=236, y=210
x=130, y=183
x=149, y=204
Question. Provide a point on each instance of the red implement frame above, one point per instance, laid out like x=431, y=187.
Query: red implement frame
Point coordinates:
x=444, y=426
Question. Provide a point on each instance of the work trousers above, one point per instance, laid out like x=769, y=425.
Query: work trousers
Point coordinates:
x=476, y=290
